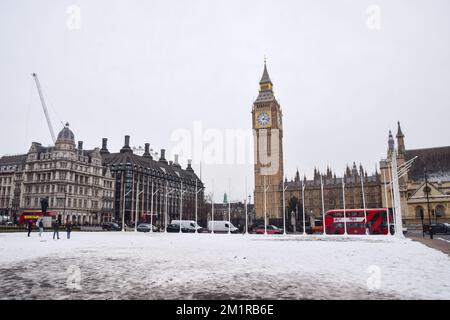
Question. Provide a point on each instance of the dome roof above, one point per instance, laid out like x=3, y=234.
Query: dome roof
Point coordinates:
x=66, y=135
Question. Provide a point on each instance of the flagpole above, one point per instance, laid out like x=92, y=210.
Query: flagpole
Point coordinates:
x=124, y=195
x=303, y=207
x=343, y=202
x=284, y=208
x=246, y=209
x=181, y=205
x=229, y=206
x=366, y=223
x=323, y=206
x=392, y=195
x=265, y=207
x=137, y=205
x=165, y=213
x=212, y=208
x=387, y=206
x=151, y=216
x=196, y=206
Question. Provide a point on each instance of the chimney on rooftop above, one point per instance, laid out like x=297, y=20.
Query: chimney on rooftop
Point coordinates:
x=104, y=149
x=126, y=147
x=162, y=157
x=147, y=151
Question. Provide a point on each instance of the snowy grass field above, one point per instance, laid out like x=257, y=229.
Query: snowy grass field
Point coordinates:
x=115, y=265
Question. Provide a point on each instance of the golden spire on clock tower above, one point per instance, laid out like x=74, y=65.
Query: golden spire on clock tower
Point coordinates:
x=265, y=87
x=265, y=83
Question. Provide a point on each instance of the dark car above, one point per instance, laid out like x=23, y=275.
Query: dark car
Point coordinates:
x=146, y=227
x=111, y=226
x=443, y=228
x=176, y=228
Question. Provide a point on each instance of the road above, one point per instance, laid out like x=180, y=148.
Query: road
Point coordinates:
x=439, y=242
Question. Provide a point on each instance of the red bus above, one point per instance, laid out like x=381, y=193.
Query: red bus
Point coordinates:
x=356, y=223
x=33, y=215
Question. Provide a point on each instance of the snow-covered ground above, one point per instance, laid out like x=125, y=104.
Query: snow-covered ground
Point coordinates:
x=115, y=265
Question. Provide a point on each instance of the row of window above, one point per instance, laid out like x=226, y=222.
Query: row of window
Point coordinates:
x=71, y=203
x=9, y=168
x=438, y=211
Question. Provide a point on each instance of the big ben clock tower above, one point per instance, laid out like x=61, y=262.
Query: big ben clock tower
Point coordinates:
x=268, y=147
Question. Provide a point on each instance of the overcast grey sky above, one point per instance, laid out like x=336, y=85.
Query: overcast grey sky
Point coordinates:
x=149, y=68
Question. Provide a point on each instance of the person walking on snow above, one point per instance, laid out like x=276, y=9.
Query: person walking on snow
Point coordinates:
x=68, y=229
x=41, y=227
x=29, y=227
x=56, y=229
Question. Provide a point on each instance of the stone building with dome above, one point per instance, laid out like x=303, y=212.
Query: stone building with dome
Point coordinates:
x=78, y=187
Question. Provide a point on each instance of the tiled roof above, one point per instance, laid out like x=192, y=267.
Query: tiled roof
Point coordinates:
x=265, y=96
x=435, y=160
x=13, y=160
x=163, y=169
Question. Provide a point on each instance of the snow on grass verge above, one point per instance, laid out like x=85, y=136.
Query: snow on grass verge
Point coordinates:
x=115, y=265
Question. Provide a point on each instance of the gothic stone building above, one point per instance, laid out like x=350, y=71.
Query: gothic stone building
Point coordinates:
x=147, y=188
x=332, y=193
x=78, y=187
x=413, y=197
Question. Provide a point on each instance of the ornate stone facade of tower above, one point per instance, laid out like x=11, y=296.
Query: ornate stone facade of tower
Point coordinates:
x=268, y=146
x=385, y=166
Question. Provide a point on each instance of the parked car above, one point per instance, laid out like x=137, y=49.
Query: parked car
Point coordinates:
x=221, y=226
x=271, y=229
x=191, y=225
x=443, y=228
x=111, y=226
x=176, y=228
x=146, y=227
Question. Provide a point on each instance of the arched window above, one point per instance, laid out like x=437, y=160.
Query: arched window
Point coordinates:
x=440, y=211
x=419, y=212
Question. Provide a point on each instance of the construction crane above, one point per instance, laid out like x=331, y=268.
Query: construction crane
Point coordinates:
x=44, y=106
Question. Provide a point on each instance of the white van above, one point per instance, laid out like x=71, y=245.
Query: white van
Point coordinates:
x=221, y=227
x=190, y=225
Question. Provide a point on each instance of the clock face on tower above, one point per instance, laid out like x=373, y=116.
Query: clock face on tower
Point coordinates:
x=263, y=119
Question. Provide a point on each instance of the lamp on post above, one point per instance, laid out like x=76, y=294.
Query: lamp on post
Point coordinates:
x=427, y=191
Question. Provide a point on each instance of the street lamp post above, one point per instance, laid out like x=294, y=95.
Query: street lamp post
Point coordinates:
x=427, y=191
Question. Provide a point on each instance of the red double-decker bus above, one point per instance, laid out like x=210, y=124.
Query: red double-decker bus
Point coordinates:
x=33, y=216
x=355, y=221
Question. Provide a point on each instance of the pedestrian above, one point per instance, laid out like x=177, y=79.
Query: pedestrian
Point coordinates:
x=56, y=229
x=68, y=229
x=30, y=227
x=41, y=227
